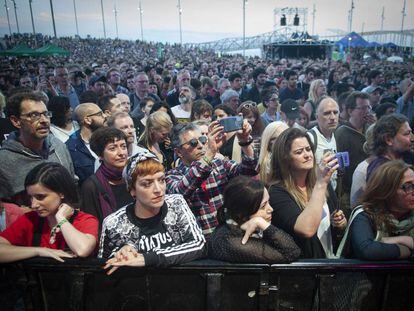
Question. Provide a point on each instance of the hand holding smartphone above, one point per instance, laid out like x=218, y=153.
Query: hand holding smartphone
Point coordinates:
x=231, y=124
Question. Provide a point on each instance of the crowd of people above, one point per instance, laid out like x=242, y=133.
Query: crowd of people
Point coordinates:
x=123, y=151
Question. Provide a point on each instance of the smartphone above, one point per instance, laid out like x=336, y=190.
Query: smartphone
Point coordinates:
x=232, y=124
x=343, y=159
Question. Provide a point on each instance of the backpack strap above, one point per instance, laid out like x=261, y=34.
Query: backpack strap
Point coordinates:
x=315, y=137
x=357, y=210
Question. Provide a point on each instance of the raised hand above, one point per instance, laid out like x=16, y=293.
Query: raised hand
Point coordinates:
x=215, y=139
x=327, y=166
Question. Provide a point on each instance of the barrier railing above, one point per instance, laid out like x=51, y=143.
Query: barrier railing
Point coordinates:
x=43, y=284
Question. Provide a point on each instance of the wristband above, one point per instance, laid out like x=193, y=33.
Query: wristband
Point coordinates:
x=52, y=238
x=246, y=143
x=59, y=225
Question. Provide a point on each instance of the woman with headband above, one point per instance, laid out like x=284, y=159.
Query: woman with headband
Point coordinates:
x=157, y=229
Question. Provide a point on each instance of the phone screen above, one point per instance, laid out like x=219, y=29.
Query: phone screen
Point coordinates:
x=232, y=124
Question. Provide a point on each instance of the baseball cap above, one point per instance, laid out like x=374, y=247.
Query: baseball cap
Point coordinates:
x=95, y=79
x=291, y=108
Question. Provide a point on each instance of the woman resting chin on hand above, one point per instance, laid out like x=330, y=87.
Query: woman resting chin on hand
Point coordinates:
x=54, y=229
x=246, y=234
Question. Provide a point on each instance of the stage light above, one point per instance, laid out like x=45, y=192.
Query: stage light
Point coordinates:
x=296, y=20
x=283, y=20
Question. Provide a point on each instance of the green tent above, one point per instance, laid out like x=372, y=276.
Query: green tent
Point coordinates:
x=51, y=49
x=19, y=50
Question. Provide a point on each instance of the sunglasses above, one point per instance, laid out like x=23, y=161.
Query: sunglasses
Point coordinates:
x=248, y=105
x=194, y=142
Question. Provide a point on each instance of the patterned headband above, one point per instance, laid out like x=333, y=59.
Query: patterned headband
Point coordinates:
x=141, y=155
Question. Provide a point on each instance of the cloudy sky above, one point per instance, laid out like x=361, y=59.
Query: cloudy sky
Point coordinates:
x=202, y=20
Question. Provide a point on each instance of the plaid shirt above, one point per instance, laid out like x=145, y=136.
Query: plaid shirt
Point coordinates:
x=202, y=186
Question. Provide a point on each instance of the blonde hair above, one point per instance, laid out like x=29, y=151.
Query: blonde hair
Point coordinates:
x=156, y=121
x=272, y=131
x=313, y=88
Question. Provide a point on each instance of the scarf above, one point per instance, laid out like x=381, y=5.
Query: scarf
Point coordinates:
x=403, y=227
x=107, y=199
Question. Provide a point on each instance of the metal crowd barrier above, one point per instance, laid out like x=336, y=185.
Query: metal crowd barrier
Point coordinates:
x=43, y=284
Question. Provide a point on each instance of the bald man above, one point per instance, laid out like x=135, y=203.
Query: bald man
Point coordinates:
x=90, y=117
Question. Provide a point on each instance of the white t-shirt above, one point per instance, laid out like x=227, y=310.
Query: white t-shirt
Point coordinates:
x=62, y=134
x=324, y=144
x=180, y=114
x=359, y=181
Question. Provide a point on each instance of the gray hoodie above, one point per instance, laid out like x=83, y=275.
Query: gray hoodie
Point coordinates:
x=16, y=160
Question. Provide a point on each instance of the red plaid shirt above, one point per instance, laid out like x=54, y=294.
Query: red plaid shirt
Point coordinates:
x=202, y=186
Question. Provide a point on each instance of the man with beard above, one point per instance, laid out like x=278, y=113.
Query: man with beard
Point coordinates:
x=183, y=79
x=393, y=139
x=90, y=117
x=31, y=144
x=182, y=112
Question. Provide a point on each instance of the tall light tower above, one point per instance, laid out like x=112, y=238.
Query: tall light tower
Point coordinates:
x=76, y=17
x=103, y=19
x=53, y=17
x=313, y=19
x=180, y=12
x=351, y=12
x=116, y=19
x=382, y=18
x=141, y=12
x=244, y=27
x=402, y=22
x=403, y=16
x=31, y=15
x=8, y=17
x=15, y=15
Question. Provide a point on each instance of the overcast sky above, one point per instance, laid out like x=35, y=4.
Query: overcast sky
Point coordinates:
x=202, y=20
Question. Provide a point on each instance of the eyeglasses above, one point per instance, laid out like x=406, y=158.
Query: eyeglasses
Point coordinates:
x=99, y=114
x=408, y=188
x=194, y=142
x=35, y=116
